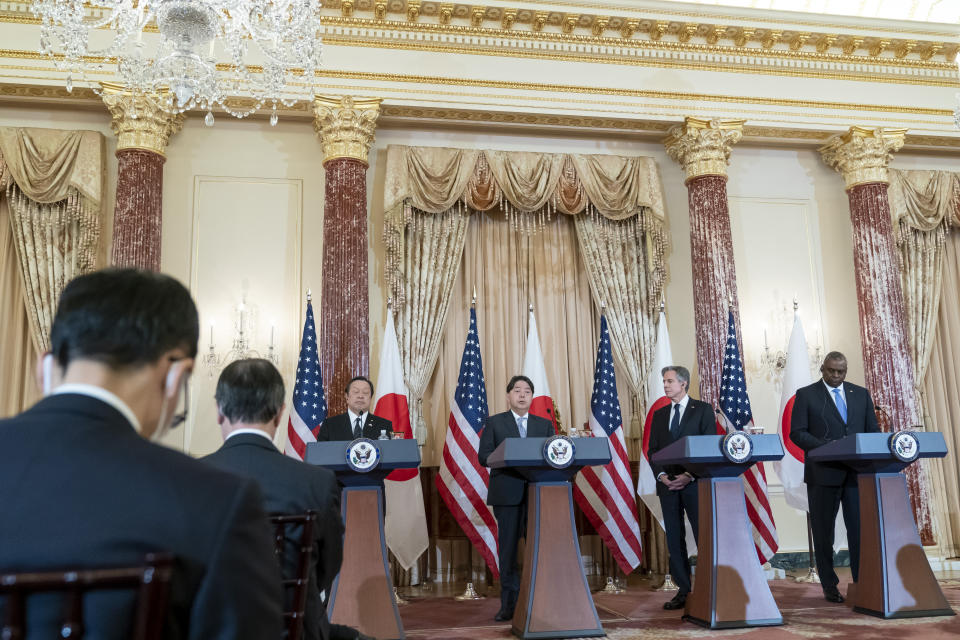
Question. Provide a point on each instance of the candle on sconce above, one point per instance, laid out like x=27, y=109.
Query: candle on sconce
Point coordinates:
x=765, y=345
x=272, y=343
x=212, y=42
x=211, y=333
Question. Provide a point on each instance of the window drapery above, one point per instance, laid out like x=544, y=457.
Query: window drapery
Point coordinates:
x=51, y=183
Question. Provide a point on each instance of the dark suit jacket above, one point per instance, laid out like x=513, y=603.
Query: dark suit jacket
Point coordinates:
x=338, y=427
x=507, y=487
x=697, y=420
x=816, y=420
x=80, y=488
x=292, y=487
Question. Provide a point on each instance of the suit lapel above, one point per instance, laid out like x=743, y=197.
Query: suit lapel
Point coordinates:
x=513, y=431
x=832, y=409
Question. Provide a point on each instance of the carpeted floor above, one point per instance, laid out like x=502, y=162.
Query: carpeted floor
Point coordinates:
x=639, y=614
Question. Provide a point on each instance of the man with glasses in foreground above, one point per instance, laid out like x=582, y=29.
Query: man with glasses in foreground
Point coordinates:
x=81, y=486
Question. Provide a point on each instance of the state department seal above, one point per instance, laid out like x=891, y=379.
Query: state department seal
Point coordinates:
x=363, y=455
x=558, y=451
x=737, y=447
x=904, y=446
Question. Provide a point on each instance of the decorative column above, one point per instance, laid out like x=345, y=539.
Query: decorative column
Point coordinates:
x=143, y=130
x=861, y=155
x=346, y=129
x=702, y=147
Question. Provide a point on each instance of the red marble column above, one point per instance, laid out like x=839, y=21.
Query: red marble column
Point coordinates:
x=143, y=130
x=714, y=277
x=346, y=129
x=137, y=217
x=345, y=310
x=887, y=364
x=862, y=156
x=702, y=147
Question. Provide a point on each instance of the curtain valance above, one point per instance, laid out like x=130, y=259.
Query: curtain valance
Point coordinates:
x=434, y=179
x=46, y=163
x=924, y=200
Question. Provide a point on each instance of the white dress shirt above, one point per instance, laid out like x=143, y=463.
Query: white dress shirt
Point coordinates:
x=683, y=407
x=831, y=394
x=353, y=420
x=258, y=432
x=103, y=395
x=526, y=422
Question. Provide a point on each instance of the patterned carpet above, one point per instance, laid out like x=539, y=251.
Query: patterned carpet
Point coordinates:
x=639, y=614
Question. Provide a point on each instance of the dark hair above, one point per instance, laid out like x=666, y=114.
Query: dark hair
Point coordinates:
x=515, y=379
x=354, y=379
x=683, y=374
x=123, y=318
x=834, y=355
x=250, y=391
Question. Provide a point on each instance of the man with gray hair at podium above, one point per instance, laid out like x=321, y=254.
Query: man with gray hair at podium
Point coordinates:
x=507, y=493
x=830, y=409
x=676, y=488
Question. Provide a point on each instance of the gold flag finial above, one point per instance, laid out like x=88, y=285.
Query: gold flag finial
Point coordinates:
x=530, y=307
x=309, y=295
x=473, y=301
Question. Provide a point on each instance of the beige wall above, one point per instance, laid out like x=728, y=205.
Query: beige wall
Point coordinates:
x=283, y=164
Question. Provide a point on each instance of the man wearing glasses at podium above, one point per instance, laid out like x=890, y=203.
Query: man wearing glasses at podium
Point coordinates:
x=507, y=493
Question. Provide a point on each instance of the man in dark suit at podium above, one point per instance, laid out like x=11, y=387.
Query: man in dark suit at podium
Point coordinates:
x=826, y=410
x=357, y=421
x=507, y=492
x=676, y=488
x=249, y=399
x=82, y=487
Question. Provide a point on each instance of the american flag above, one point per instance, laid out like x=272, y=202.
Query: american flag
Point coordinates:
x=735, y=413
x=605, y=494
x=309, y=407
x=462, y=482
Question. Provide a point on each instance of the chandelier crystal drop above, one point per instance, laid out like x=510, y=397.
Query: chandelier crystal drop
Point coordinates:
x=270, y=49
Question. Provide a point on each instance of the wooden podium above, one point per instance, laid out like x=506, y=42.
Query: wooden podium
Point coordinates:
x=362, y=593
x=895, y=580
x=554, y=600
x=729, y=589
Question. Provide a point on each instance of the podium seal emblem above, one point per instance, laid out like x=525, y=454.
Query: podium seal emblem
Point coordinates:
x=737, y=447
x=363, y=455
x=904, y=446
x=558, y=451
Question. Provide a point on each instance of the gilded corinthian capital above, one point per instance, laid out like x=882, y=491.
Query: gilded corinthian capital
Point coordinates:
x=861, y=155
x=345, y=126
x=138, y=120
x=702, y=147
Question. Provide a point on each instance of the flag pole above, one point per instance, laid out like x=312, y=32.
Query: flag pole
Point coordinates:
x=812, y=576
x=470, y=593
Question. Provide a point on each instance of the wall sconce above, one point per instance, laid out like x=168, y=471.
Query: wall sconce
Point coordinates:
x=772, y=362
x=245, y=319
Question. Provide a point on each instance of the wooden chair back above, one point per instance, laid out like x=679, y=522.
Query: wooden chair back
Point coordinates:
x=293, y=616
x=151, y=579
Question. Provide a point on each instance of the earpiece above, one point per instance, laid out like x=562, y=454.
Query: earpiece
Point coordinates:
x=47, y=367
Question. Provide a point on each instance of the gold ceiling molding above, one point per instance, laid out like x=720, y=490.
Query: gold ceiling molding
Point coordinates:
x=696, y=38
x=57, y=91
x=946, y=75
x=701, y=28
x=393, y=115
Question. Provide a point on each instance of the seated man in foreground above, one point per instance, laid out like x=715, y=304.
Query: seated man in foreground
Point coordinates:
x=249, y=406
x=81, y=486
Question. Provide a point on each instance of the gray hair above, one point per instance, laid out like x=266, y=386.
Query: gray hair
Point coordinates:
x=683, y=374
x=834, y=355
x=250, y=391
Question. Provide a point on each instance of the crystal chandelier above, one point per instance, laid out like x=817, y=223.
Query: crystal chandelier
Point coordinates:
x=273, y=48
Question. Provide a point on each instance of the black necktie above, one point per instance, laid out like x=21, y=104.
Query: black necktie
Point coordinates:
x=675, y=422
x=357, y=428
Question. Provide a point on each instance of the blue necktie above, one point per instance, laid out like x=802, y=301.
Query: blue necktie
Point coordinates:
x=522, y=426
x=675, y=422
x=841, y=404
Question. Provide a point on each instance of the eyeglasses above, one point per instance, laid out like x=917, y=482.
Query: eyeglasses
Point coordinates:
x=180, y=416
